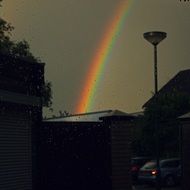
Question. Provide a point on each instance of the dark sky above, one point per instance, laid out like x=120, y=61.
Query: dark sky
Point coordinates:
x=65, y=34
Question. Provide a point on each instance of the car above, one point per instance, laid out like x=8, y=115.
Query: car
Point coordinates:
x=170, y=172
x=136, y=164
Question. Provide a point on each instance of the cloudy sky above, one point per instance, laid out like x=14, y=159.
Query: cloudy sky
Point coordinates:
x=65, y=35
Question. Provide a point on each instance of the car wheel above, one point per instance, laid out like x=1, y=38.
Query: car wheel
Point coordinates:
x=169, y=181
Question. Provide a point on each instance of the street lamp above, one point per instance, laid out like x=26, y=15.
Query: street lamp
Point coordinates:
x=155, y=38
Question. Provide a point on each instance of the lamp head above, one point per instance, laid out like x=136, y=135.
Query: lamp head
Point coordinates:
x=155, y=37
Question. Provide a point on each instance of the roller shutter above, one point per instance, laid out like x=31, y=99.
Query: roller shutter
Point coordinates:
x=15, y=148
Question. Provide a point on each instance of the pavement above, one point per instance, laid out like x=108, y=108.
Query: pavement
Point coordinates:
x=146, y=187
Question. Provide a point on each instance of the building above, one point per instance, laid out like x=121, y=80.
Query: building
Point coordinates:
x=20, y=115
x=86, y=151
x=178, y=84
x=185, y=149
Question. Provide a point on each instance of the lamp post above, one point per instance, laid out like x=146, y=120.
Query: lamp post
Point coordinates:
x=155, y=38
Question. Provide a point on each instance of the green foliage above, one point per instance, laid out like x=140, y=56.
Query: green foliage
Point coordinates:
x=5, y=32
x=7, y=46
x=47, y=94
x=162, y=113
x=20, y=49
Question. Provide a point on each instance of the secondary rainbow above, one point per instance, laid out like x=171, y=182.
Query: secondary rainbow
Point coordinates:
x=101, y=57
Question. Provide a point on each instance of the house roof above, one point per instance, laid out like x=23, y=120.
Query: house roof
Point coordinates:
x=90, y=117
x=185, y=116
x=116, y=114
x=179, y=83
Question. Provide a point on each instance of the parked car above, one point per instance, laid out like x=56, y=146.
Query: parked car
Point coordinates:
x=136, y=164
x=170, y=172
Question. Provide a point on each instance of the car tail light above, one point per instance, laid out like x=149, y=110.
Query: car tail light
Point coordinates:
x=134, y=168
x=154, y=172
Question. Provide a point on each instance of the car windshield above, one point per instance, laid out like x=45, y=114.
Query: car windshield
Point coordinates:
x=149, y=165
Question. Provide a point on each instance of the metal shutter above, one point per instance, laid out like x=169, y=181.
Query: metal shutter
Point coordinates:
x=15, y=149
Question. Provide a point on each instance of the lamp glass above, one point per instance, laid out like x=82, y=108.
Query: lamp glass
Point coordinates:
x=155, y=37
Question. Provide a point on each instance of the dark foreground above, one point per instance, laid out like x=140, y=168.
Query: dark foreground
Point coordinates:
x=146, y=187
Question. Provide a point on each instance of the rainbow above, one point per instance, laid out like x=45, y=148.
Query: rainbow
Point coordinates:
x=101, y=57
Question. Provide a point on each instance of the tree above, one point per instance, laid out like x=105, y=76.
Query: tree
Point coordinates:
x=164, y=110
x=47, y=94
x=21, y=49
